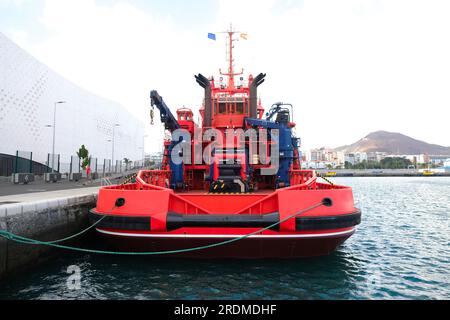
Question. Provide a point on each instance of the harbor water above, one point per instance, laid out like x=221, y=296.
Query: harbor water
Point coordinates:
x=400, y=251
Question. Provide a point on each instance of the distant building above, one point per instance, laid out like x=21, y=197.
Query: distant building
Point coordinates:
x=350, y=158
x=422, y=158
x=438, y=159
x=323, y=158
x=360, y=157
x=376, y=156
x=318, y=165
x=28, y=92
x=446, y=166
x=315, y=155
x=339, y=158
x=355, y=157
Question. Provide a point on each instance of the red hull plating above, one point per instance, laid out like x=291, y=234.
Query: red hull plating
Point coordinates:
x=151, y=218
x=143, y=217
x=252, y=248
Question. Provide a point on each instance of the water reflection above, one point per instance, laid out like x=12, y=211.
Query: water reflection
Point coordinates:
x=106, y=277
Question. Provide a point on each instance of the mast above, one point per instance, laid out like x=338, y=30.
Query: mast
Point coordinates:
x=231, y=73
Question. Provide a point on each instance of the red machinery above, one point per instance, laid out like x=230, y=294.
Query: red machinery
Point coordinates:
x=217, y=197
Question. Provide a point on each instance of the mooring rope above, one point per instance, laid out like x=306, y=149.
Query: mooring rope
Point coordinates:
x=19, y=239
x=30, y=241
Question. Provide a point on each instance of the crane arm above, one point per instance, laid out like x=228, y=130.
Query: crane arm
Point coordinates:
x=169, y=120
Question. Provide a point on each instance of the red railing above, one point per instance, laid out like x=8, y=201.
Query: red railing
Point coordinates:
x=154, y=179
x=158, y=180
x=302, y=179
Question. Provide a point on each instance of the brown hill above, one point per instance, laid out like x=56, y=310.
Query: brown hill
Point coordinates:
x=394, y=143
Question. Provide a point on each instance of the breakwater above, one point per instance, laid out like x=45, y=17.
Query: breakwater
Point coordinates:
x=382, y=173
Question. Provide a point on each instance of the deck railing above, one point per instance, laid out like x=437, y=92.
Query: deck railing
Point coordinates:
x=154, y=179
x=302, y=179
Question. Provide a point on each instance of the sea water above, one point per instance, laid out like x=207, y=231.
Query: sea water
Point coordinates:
x=401, y=250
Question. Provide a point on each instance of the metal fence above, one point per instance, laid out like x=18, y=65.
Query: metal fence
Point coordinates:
x=53, y=162
x=75, y=164
x=9, y=164
x=22, y=162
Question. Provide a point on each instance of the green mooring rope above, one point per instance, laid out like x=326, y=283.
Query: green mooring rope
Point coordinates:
x=31, y=241
x=19, y=239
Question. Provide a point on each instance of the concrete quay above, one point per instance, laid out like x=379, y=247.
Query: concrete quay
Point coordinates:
x=39, y=185
x=44, y=216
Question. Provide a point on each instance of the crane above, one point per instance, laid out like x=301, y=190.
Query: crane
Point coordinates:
x=167, y=117
x=171, y=124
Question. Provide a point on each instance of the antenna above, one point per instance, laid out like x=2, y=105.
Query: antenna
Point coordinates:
x=231, y=74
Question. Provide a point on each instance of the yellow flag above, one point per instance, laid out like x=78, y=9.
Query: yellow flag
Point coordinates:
x=244, y=36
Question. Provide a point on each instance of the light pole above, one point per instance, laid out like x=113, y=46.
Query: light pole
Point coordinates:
x=143, y=149
x=104, y=161
x=113, y=137
x=54, y=134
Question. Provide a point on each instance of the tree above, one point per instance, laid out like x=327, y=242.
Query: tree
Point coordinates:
x=348, y=165
x=395, y=163
x=127, y=162
x=148, y=163
x=386, y=163
x=83, y=154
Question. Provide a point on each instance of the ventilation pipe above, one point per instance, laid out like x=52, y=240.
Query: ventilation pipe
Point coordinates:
x=206, y=84
x=254, y=94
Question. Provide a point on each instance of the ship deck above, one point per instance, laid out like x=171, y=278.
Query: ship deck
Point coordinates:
x=206, y=193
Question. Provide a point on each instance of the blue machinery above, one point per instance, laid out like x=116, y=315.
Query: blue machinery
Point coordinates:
x=171, y=124
x=287, y=141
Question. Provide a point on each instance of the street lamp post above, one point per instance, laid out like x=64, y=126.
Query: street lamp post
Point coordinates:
x=104, y=161
x=113, y=137
x=54, y=134
x=143, y=149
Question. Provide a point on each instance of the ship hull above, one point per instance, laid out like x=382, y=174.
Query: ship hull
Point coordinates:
x=307, y=219
x=256, y=247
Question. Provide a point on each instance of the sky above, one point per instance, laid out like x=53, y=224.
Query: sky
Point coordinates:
x=349, y=67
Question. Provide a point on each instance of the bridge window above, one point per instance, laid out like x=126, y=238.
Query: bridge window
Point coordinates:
x=222, y=108
x=230, y=105
x=240, y=107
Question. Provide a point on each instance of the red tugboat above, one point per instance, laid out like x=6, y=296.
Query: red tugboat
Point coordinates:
x=232, y=188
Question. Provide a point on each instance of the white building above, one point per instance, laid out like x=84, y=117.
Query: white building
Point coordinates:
x=28, y=91
x=376, y=156
x=447, y=164
x=355, y=157
x=323, y=157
